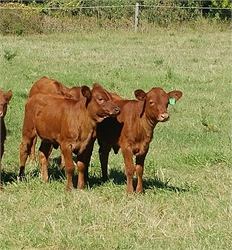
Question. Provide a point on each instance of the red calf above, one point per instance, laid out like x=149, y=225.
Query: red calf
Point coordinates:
x=132, y=130
x=67, y=123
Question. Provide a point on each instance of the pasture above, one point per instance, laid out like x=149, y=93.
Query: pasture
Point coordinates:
x=187, y=176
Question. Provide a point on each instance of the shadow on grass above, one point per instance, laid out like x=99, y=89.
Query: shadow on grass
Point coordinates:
x=8, y=177
x=54, y=172
x=118, y=177
x=21, y=95
x=157, y=183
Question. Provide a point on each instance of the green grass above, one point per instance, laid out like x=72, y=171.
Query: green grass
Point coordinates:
x=187, y=176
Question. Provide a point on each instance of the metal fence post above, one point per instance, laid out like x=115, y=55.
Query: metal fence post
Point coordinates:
x=136, y=16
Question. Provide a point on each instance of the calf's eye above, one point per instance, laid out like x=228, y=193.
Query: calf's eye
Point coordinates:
x=101, y=100
x=151, y=103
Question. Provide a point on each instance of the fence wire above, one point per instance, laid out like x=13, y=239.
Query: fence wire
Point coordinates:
x=115, y=7
x=18, y=18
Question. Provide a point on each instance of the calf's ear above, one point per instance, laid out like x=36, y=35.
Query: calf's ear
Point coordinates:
x=96, y=84
x=140, y=95
x=86, y=92
x=175, y=94
x=8, y=95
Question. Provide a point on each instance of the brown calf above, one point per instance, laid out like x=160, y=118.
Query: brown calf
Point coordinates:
x=132, y=131
x=67, y=123
x=52, y=86
x=4, y=100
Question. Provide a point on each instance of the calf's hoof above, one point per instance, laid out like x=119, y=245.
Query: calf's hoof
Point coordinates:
x=32, y=159
x=139, y=191
x=21, y=178
x=68, y=189
x=130, y=190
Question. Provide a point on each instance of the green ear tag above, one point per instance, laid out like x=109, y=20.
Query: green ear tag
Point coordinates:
x=172, y=100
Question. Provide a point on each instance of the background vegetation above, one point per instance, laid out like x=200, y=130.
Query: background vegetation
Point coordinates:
x=43, y=17
x=187, y=177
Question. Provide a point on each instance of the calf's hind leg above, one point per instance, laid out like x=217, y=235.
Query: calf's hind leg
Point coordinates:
x=104, y=150
x=45, y=150
x=32, y=153
x=25, y=149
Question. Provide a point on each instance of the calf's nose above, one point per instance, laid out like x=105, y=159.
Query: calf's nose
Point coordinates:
x=1, y=114
x=164, y=116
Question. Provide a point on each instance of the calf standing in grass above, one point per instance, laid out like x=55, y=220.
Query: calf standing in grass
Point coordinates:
x=67, y=123
x=132, y=131
x=4, y=100
x=52, y=86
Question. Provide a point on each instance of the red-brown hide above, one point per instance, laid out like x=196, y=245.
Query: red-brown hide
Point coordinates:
x=4, y=100
x=67, y=123
x=132, y=131
x=52, y=86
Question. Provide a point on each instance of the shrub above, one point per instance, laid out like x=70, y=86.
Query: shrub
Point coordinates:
x=19, y=19
x=169, y=12
x=224, y=12
x=33, y=17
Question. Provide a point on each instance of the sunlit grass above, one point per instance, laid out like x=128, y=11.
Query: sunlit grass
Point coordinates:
x=187, y=173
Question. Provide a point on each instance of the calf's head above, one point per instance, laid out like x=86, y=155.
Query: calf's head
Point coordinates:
x=4, y=99
x=99, y=102
x=156, y=102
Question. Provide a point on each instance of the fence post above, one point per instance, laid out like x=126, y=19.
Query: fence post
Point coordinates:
x=136, y=16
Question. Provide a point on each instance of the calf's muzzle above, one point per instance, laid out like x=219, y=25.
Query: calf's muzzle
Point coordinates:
x=164, y=117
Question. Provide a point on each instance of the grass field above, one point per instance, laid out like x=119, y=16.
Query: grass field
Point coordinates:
x=187, y=177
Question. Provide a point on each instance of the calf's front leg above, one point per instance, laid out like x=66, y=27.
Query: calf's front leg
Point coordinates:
x=89, y=150
x=69, y=166
x=129, y=169
x=82, y=166
x=139, y=172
